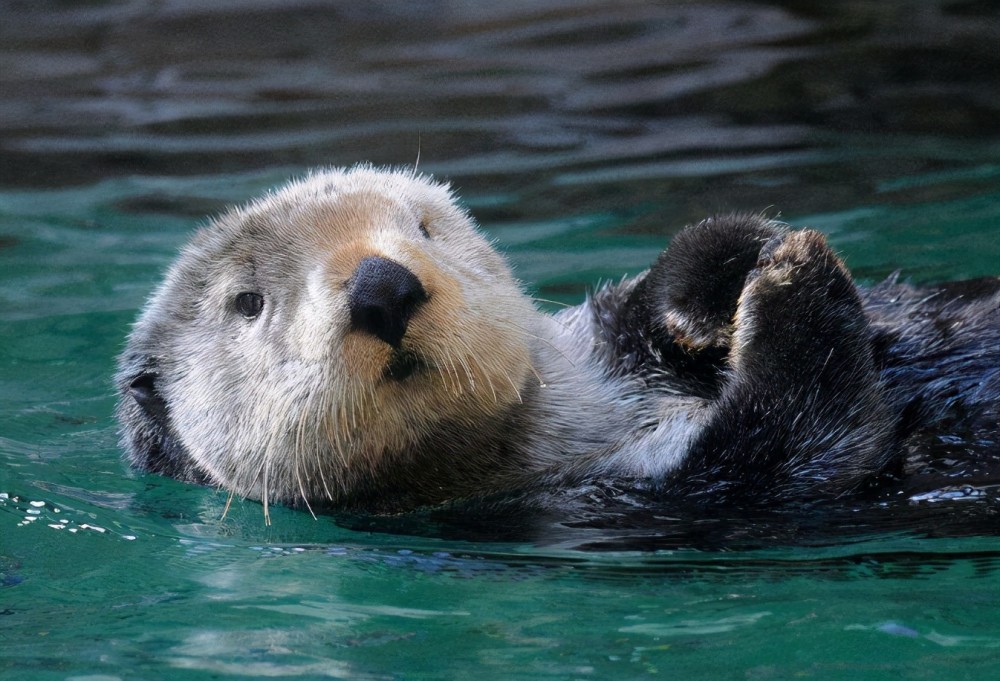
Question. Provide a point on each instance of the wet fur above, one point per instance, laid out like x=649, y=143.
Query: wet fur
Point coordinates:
x=745, y=366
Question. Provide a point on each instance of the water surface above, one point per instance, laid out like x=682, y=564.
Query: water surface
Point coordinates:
x=582, y=135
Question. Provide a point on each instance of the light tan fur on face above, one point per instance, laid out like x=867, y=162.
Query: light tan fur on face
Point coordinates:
x=308, y=406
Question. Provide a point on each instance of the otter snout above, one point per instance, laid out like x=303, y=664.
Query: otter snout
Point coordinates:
x=383, y=296
x=143, y=390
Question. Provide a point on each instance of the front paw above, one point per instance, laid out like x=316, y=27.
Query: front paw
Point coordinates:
x=798, y=305
x=803, y=248
x=802, y=413
x=693, y=289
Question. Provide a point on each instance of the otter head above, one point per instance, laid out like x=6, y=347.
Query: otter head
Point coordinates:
x=322, y=334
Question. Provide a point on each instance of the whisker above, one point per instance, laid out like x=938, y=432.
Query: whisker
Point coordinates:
x=441, y=373
x=264, y=494
x=476, y=361
x=229, y=502
x=493, y=391
x=541, y=381
x=553, y=302
x=461, y=359
x=298, y=452
x=458, y=390
x=302, y=491
x=541, y=338
x=322, y=479
x=516, y=391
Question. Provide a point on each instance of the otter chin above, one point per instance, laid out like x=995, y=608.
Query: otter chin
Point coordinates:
x=352, y=340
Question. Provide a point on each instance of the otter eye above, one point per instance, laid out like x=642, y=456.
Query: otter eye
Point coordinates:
x=249, y=304
x=423, y=229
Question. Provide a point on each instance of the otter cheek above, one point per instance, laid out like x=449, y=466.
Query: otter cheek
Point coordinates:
x=199, y=431
x=319, y=320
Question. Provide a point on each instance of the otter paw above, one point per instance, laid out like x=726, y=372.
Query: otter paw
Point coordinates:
x=801, y=412
x=806, y=247
x=693, y=288
x=802, y=259
x=797, y=303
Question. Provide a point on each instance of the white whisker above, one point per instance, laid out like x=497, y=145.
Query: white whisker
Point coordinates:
x=542, y=339
x=229, y=502
x=264, y=495
x=553, y=302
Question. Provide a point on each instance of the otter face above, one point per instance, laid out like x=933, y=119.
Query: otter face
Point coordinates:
x=304, y=342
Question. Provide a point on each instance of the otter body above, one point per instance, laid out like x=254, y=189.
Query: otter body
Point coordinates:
x=353, y=341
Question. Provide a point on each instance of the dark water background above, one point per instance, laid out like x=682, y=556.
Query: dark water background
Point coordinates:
x=582, y=134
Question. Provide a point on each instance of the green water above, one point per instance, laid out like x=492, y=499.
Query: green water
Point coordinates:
x=106, y=572
x=582, y=136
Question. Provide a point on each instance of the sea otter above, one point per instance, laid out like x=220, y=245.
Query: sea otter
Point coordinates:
x=352, y=340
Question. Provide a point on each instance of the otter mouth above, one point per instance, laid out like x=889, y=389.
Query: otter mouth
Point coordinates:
x=403, y=364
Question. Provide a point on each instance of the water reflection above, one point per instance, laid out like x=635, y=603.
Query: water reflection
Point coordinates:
x=692, y=97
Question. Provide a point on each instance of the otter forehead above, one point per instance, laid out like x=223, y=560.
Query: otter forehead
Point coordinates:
x=329, y=220
x=337, y=204
x=344, y=216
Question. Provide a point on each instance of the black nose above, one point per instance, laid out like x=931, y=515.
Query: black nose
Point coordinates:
x=383, y=295
x=143, y=391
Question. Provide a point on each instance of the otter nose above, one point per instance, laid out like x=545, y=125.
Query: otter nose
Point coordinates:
x=383, y=295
